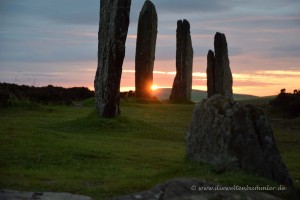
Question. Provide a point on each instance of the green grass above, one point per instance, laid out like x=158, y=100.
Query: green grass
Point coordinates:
x=69, y=149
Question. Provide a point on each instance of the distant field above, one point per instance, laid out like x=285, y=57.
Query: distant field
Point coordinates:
x=69, y=149
x=197, y=95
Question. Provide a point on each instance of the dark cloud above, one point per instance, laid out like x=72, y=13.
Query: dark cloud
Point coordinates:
x=172, y=10
x=58, y=11
x=286, y=51
x=190, y=6
x=262, y=22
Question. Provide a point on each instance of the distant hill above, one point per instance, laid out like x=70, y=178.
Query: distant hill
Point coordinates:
x=197, y=95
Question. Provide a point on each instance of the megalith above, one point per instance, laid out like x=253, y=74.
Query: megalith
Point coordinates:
x=113, y=28
x=182, y=85
x=222, y=77
x=210, y=71
x=145, y=50
x=230, y=135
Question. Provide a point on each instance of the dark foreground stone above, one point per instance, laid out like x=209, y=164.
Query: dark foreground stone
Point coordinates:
x=228, y=134
x=17, y=195
x=193, y=189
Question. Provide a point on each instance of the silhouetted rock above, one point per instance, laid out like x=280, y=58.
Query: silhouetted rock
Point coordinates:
x=182, y=85
x=223, y=76
x=145, y=50
x=192, y=189
x=229, y=135
x=210, y=72
x=113, y=28
x=17, y=195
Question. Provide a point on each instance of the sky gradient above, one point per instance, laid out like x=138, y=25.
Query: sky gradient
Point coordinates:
x=55, y=42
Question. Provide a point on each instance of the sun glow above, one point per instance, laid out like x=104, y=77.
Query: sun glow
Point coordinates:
x=154, y=87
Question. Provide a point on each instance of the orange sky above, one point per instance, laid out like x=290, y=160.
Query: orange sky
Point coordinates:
x=254, y=82
x=259, y=82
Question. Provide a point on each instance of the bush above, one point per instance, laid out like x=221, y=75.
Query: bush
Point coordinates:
x=287, y=103
x=14, y=94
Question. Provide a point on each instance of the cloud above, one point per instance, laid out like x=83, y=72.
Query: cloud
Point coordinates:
x=58, y=11
x=238, y=83
x=46, y=75
x=286, y=51
x=190, y=6
x=278, y=73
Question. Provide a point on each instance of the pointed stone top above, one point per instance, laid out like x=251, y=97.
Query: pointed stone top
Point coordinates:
x=218, y=34
x=220, y=41
x=148, y=4
x=185, y=23
x=149, y=9
x=210, y=54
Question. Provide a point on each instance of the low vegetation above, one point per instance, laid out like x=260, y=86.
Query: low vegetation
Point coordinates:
x=13, y=94
x=287, y=104
x=69, y=149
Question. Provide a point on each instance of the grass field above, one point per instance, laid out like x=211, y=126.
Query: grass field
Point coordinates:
x=69, y=149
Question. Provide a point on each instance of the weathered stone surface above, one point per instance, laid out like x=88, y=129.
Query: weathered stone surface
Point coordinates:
x=113, y=28
x=190, y=189
x=17, y=195
x=182, y=85
x=145, y=50
x=210, y=72
x=223, y=76
x=228, y=134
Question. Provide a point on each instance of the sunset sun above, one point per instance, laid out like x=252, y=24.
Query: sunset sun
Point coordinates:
x=154, y=87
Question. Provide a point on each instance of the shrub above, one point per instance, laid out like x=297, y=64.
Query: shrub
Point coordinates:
x=287, y=103
x=14, y=94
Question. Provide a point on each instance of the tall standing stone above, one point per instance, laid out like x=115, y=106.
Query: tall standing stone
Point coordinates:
x=145, y=50
x=113, y=28
x=182, y=85
x=219, y=77
x=223, y=76
x=210, y=71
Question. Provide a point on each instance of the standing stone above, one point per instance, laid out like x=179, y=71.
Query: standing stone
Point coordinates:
x=230, y=135
x=113, y=28
x=182, y=85
x=145, y=50
x=223, y=76
x=210, y=71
